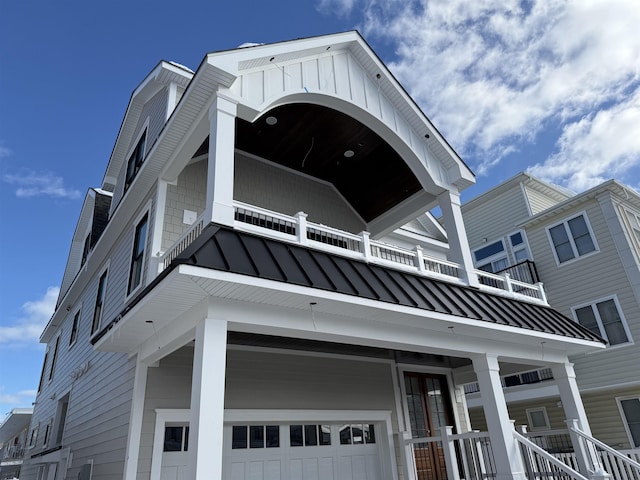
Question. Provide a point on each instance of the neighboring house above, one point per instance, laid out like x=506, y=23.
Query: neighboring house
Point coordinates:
x=585, y=249
x=211, y=329
x=13, y=440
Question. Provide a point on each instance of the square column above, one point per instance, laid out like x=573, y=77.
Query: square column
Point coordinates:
x=207, y=400
x=505, y=447
x=220, y=168
x=135, y=420
x=457, y=236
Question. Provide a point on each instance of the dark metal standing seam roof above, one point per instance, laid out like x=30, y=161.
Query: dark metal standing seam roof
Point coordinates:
x=225, y=249
x=222, y=248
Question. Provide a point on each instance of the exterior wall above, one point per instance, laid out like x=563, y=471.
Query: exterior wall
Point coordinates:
x=604, y=415
x=538, y=201
x=281, y=190
x=190, y=193
x=155, y=110
x=495, y=218
x=616, y=365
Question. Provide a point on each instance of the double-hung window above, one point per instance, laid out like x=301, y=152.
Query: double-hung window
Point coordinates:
x=97, y=311
x=74, y=328
x=54, y=359
x=519, y=247
x=604, y=318
x=630, y=410
x=572, y=238
x=135, y=160
x=137, y=257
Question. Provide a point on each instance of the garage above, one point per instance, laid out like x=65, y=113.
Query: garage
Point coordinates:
x=289, y=445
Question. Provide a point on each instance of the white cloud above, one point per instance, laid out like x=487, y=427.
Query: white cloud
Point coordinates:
x=597, y=147
x=4, y=151
x=340, y=7
x=18, y=398
x=32, y=184
x=35, y=315
x=493, y=75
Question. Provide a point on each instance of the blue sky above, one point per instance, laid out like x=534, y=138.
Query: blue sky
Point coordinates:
x=552, y=87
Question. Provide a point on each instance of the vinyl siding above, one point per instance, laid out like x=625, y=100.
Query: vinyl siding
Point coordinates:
x=518, y=412
x=601, y=275
x=495, y=218
x=538, y=201
x=155, y=110
x=285, y=191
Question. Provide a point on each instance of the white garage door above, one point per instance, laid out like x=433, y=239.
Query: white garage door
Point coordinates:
x=301, y=451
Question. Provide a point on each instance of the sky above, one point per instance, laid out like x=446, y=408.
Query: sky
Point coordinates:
x=550, y=87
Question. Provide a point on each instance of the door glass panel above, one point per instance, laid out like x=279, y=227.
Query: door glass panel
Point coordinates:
x=256, y=433
x=239, y=436
x=310, y=435
x=273, y=436
x=295, y=435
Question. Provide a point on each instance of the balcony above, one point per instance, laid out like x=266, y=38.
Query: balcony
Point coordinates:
x=297, y=230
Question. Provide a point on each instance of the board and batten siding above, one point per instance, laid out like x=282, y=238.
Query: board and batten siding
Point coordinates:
x=584, y=280
x=285, y=191
x=495, y=218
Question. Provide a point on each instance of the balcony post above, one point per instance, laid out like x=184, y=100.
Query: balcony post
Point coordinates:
x=508, y=286
x=457, y=236
x=449, y=451
x=222, y=121
x=301, y=228
x=543, y=295
x=366, y=245
x=419, y=258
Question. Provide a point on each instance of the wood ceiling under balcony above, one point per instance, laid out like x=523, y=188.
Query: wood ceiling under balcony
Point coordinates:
x=318, y=141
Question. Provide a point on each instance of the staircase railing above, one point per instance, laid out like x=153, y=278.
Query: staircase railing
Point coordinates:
x=614, y=462
x=541, y=464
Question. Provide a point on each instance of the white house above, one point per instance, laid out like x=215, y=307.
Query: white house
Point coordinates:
x=13, y=439
x=586, y=250
x=268, y=298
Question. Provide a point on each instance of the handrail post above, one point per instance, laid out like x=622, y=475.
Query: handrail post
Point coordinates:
x=507, y=283
x=585, y=462
x=410, y=470
x=366, y=245
x=419, y=258
x=543, y=295
x=449, y=450
x=527, y=456
x=301, y=231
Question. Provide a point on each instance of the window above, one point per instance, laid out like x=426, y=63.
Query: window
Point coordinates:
x=137, y=257
x=604, y=318
x=61, y=418
x=492, y=257
x=176, y=438
x=47, y=430
x=255, y=436
x=33, y=437
x=309, y=435
x=630, y=411
x=97, y=312
x=355, y=434
x=135, y=161
x=572, y=238
x=519, y=247
x=538, y=419
x=54, y=358
x=74, y=328
x=44, y=367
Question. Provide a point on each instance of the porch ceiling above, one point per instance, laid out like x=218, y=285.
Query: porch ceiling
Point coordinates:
x=240, y=264
x=330, y=145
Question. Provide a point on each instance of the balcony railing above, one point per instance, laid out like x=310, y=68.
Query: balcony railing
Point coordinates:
x=296, y=229
x=12, y=452
x=524, y=378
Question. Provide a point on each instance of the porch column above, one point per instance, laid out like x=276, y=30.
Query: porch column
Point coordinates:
x=505, y=447
x=207, y=400
x=222, y=121
x=135, y=420
x=457, y=236
x=565, y=377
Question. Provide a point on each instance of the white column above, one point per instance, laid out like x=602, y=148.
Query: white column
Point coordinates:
x=587, y=458
x=135, y=420
x=222, y=120
x=456, y=234
x=505, y=447
x=207, y=400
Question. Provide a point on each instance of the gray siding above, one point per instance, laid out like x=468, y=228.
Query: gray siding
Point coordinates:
x=538, y=201
x=284, y=191
x=600, y=275
x=495, y=218
x=189, y=193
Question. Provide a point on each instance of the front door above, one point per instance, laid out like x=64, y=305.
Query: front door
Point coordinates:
x=429, y=409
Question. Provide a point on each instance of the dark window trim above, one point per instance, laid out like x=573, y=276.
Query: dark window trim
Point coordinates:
x=138, y=253
x=100, y=296
x=135, y=161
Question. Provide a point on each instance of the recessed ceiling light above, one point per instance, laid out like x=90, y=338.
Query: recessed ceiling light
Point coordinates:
x=349, y=153
x=271, y=120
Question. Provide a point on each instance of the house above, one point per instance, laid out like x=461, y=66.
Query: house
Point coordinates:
x=256, y=291
x=585, y=249
x=13, y=439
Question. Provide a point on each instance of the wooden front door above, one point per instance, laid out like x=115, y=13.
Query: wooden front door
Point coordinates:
x=429, y=409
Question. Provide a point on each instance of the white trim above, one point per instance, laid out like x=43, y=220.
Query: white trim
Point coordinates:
x=593, y=304
x=382, y=417
x=565, y=223
x=135, y=420
x=625, y=422
x=147, y=245
x=530, y=411
x=304, y=353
